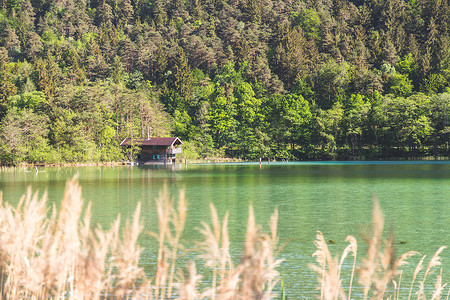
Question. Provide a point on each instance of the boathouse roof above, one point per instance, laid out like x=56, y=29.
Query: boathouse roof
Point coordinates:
x=153, y=141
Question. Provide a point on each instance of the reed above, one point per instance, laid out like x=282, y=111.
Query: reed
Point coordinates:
x=65, y=256
x=379, y=273
x=50, y=253
x=61, y=256
x=328, y=270
x=255, y=276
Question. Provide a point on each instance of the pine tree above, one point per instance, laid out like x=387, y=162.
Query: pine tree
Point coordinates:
x=290, y=58
x=182, y=79
x=104, y=15
x=252, y=10
x=160, y=13
x=11, y=41
x=160, y=65
x=7, y=87
x=125, y=14
x=26, y=18
x=197, y=10
x=242, y=51
x=47, y=75
x=432, y=43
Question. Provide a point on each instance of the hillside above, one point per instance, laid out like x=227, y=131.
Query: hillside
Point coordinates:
x=241, y=78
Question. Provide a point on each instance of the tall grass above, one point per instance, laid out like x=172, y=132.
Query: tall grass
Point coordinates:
x=65, y=256
x=379, y=276
x=62, y=256
x=57, y=253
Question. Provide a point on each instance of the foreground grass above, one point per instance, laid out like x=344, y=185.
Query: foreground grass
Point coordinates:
x=65, y=256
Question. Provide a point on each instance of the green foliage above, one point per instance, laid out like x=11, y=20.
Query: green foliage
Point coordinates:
x=303, y=87
x=407, y=65
x=245, y=78
x=190, y=151
x=355, y=102
x=329, y=127
x=400, y=85
x=182, y=124
x=434, y=83
x=309, y=20
x=222, y=119
x=182, y=76
x=289, y=118
x=24, y=137
x=252, y=9
x=332, y=79
x=290, y=56
x=7, y=88
x=31, y=100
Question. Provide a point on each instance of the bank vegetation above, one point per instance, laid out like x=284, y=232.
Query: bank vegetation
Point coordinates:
x=338, y=79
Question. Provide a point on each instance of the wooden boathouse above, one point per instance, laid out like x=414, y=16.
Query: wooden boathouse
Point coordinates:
x=156, y=149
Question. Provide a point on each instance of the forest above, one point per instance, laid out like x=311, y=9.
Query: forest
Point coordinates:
x=292, y=79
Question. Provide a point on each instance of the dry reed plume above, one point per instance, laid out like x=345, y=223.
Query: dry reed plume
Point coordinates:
x=60, y=255
x=256, y=275
x=379, y=274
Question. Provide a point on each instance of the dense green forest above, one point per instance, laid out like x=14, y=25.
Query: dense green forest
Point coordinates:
x=296, y=79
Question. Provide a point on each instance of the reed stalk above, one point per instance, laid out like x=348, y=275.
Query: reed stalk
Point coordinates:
x=379, y=269
x=171, y=222
x=49, y=253
x=61, y=256
x=351, y=248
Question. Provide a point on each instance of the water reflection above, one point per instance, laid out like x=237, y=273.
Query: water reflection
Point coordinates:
x=333, y=197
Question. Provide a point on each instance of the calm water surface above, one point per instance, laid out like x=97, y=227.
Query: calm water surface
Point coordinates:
x=333, y=197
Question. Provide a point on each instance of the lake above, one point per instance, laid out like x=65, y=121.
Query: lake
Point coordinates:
x=333, y=197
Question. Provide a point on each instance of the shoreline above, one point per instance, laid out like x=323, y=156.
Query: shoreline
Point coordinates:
x=220, y=160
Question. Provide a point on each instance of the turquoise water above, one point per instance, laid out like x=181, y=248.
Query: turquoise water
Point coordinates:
x=333, y=197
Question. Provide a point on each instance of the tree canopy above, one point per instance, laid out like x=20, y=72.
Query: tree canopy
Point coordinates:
x=338, y=79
